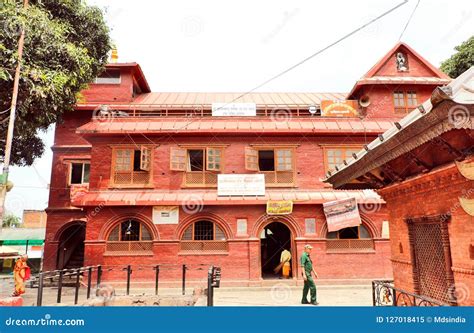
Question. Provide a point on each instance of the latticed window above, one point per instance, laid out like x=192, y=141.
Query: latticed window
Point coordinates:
x=276, y=163
x=131, y=166
x=203, y=236
x=130, y=236
x=350, y=239
x=335, y=156
x=200, y=165
x=404, y=101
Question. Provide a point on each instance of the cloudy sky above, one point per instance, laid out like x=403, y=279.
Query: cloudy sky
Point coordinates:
x=236, y=45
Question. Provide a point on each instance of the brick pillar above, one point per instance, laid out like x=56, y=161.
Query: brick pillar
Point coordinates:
x=255, y=269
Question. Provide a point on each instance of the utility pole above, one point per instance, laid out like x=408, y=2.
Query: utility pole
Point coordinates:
x=4, y=185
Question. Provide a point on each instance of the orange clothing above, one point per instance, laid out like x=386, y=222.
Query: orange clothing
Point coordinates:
x=19, y=276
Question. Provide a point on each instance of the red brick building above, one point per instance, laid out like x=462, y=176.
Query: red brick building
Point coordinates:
x=424, y=169
x=135, y=175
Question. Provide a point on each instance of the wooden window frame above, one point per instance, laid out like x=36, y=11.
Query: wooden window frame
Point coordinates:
x=116, y=247
x=204, y=244
x=351, y=245
x=358, y=233
x=133, y=148
x=274, y=173
x=206, y=170
x=70, y=163
x=343, y=148
x=406, y=107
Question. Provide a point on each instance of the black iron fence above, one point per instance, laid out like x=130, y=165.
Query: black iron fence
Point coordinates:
x=76, y=277
x=384, y=293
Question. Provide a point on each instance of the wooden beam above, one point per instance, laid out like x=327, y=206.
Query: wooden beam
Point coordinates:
x=373, y=179
x=391, y=173
x=425, y=166
x=443, y=144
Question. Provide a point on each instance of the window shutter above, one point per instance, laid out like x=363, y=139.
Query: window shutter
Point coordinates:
x=251, y=159
x=213, y=159
x=284, y=160
x=178, y=159
x=145, y=158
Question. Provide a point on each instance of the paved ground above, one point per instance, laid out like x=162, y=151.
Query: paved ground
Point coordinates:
x=275, y=293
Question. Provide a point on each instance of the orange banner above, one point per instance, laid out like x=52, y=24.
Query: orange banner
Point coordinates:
x=347, y=108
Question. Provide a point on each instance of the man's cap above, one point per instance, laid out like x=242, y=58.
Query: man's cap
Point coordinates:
x=307, y=246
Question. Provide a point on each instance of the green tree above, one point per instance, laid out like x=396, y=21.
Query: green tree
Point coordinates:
x=461, y=61
x=11, y=221
x=66, y=46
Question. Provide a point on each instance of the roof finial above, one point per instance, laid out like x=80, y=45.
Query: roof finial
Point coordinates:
x=114, y=56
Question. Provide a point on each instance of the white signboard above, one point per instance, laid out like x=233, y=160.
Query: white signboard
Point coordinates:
x=251, y=184
x=234, y=109
x=165, y=214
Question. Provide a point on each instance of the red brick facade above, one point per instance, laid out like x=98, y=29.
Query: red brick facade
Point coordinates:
x=403, y=201
x=241, y=262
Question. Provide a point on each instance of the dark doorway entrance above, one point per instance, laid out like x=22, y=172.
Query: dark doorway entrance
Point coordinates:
x=274, y=239
x=71, y=247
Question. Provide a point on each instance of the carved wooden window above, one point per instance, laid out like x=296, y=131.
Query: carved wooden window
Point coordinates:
x=353, y=239
x=131, y=166
x=276, y=163
x=201, y=165
x=404, y=101
x=178, y=159
x=334, y=156
x=431, y=257
x=129, y=236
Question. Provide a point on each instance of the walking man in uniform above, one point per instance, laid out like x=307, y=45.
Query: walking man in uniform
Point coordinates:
x=307, y=270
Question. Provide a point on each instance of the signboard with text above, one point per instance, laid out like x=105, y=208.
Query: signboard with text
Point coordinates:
x=234, y=109
x=347, y=108
x=251, y=185
x=165, y=214
x=282, y=207
x=341, y=214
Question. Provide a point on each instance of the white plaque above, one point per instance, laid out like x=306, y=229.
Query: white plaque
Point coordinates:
x=310, y=225
x=244, y=184
x=241, y=227
x=234, y=109
x=165, y=214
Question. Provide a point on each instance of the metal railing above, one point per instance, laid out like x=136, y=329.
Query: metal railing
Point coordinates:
x=76, y=277
x=384, y=293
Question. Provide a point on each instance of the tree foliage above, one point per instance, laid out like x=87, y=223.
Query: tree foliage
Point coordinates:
x=66, y=46
x=461, y=61
x=11, y=221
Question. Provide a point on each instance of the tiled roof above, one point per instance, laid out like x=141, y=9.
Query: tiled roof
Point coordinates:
x=209, y=197
x=238, y=125
x=461, y=92
x=179, y=100
x=403, y=80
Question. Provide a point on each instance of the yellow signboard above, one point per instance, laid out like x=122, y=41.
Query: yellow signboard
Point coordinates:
x=347, y=108
x=283, y=207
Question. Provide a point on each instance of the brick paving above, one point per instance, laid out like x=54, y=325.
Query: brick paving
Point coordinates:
x=273, y=293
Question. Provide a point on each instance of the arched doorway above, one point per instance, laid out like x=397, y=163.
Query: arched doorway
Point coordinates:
x=71, y=246
x=275, y=237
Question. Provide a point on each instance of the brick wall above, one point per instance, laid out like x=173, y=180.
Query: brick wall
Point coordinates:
x=434, y=193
